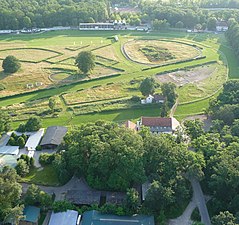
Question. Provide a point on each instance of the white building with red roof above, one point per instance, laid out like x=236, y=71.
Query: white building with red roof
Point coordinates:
x=158, y=124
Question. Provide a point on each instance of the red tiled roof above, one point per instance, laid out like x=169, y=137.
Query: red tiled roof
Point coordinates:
x=156, y=122
x=130, y=125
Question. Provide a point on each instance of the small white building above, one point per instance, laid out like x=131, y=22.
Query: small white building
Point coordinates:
x=148, y=100
x=221, y=26
x=34, y=140
x=153, y=98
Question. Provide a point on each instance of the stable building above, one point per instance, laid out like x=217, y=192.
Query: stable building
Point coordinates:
x=34, y=140
x=96, y=26
x=96, y=218
x=53, y=137
x=70, y=217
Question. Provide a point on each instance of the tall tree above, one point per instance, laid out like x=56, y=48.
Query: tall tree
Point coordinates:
x=11, y=64
x=85, y=61
x=147, y=86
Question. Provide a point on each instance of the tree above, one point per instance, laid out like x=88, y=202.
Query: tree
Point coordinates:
x=224, y=218
x=34, y=196
x=22, y=168
x=21, y=142
x=194, y=128
x=11, y=64
x=52, y=104
x=169, y=91
x=11, y=192
x=160, y=24
x=62, y=206
x=14, y=215
x=4, y=122
x=132, y=201
x=211, y=24
x=179, y=25
x=164, y=109
x=147, y=86
x=85, y=61
x=109, y=156
x=33, y=124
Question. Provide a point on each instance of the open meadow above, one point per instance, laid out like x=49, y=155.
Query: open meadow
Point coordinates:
x=198, y=64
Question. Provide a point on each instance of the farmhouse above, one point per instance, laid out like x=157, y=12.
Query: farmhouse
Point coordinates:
x=221, y=26
x=53, y=136
x=158, y=124
x=32, y=215
x=34, y=140
x=81, y=197
x=69, y=217
x=96, y=218
x=153, y=99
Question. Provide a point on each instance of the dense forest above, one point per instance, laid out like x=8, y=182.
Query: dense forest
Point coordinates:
x=17, y=14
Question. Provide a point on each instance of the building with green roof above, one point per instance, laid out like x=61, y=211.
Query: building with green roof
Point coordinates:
x=96, y=218
x=31, y=214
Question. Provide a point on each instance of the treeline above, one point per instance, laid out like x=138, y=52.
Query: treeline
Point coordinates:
x=233, y=36
x=185, y=17
x=17, y=14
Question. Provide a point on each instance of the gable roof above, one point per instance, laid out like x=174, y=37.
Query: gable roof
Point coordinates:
x=64, y=218
x=54, y=135
x=34, y=139
x=222, y=24
x=31, y=213
x=130, y=125
x=95, y=218
x=156, y=122
x=86, y=197
x=9, y=150
x=158, y=97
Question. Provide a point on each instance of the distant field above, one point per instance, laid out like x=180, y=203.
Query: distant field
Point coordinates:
x=57, y=68
x=160, y=51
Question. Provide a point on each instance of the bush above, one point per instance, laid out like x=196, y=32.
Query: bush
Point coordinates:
x=11, y=64
x=33, y=124
x=12, y=141
x=39, y=148
x=22, y=168
x=135, y=98
x=46, y=159
x=21, y=142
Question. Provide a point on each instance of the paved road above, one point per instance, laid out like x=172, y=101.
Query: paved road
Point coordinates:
x=200, y=201
x=73, y=184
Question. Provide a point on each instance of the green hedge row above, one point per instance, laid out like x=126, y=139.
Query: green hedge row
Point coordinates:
x=187, y=67
x=100, y=47
x=76, y=49
x=175, y=63
x=110, y=67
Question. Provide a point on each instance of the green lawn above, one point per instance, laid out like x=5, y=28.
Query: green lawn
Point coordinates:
x=212, y=45
x=47, y=177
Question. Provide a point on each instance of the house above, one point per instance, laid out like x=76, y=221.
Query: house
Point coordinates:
x=53, y=136
x=158, y=124
x=70, y=217
x=96, y=218
x=148, y=100
x=130, y=125
x=34, y=140
x=157, y=98
x=31, y=214
x=221, y=26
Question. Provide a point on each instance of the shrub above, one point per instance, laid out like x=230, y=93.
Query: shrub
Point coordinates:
x=12, y=141
x=22, y=168
x=38, y=148
x=46, y=159
x=11, y=64
x=21, y=142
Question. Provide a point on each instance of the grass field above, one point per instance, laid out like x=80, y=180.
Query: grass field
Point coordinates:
x=110, y=57
x=47, y=177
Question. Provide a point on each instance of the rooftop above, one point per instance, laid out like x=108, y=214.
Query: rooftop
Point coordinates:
x=9, y=150
x=95, y=218
x=64, y=218
x=130, y=125
x=34, y=139
x=54, y=135
x=156, y=122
